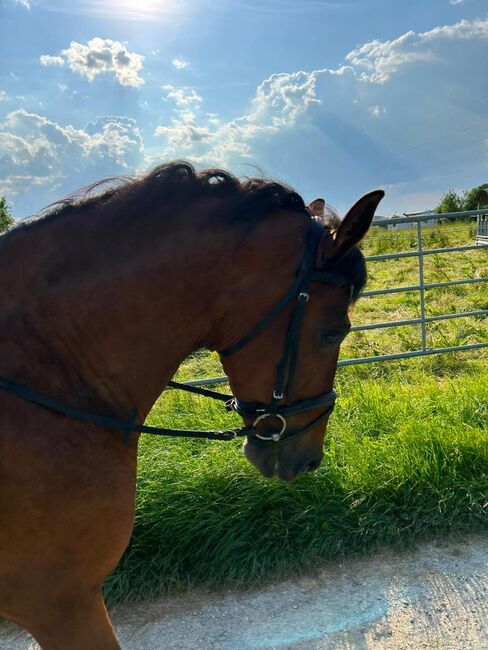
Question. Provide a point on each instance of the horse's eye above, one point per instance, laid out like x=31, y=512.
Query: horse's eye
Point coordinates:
x=332, y=337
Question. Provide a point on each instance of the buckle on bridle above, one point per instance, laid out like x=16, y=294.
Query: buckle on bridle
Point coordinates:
x=275, y=437
x=231, y=404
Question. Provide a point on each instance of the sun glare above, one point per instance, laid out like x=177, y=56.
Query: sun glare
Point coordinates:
x=123, y=9
x=136, y=9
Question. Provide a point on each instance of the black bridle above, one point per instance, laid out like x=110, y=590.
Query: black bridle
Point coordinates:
x=281, y=405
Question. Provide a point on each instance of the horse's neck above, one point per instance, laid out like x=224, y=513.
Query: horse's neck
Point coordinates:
x=117, y=311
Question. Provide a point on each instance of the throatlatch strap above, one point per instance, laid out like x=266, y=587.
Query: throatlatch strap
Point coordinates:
x=306, y=266
x=294, y=343
x=287, y=298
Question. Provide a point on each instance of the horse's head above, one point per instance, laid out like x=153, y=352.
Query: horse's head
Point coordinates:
x=282, y=370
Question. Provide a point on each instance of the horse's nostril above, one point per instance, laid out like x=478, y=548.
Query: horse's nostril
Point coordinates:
x=315, y=464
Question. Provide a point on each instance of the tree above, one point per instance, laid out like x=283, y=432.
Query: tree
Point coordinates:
x=6, y=219
x=450, y=202
x=476, y=198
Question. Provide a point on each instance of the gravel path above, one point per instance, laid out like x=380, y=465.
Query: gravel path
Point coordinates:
x=434, y=597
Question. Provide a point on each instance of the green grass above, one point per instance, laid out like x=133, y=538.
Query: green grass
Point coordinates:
x=406, y=457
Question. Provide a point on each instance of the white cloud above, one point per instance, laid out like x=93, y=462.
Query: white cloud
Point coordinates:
x=180, y=64
x=35, y=150
x=376, y=61
x=183, y=135
x=279, y=101
x=116, y=138
x=47, y=59
x=282, y=98
x=183, y=97
x=14, y=184
x=100, y=55
x=23, y=3
x=3, y=96
x=381, y=59
x=456, y=2
x=463, y=30
x=376, y=111
x=397, y=111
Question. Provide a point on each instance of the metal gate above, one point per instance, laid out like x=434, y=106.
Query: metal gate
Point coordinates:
x=421, y=287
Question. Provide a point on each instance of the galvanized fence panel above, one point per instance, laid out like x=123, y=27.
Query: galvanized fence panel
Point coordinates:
x=482, y=230
x=416, y=220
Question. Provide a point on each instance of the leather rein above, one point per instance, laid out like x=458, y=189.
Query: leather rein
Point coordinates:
x=255, y=411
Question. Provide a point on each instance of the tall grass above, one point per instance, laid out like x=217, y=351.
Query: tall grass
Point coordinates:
x=406, y=457
x=402, y=460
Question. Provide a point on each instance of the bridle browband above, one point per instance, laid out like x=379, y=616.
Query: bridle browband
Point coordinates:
x=255, y=411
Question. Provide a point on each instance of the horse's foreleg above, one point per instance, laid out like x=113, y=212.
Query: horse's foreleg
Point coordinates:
x=79, y=622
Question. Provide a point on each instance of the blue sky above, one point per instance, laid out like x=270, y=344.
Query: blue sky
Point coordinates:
x=336, y=98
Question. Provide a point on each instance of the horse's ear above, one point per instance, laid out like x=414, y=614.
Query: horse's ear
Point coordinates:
x=317, y=207
x=354, y=226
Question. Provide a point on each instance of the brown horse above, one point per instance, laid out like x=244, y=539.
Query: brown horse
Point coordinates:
x=100, y=301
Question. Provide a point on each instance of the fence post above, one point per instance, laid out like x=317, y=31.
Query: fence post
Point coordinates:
x=421, y=285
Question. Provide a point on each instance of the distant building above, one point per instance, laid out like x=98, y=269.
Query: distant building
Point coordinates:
x=404, y=226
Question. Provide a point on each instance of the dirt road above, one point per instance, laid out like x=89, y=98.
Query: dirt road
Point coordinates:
x=434, y=597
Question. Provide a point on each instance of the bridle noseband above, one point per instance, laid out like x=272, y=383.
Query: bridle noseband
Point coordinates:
x=254, y=411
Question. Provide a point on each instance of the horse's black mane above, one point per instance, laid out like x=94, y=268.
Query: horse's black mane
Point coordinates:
x=178, y=183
